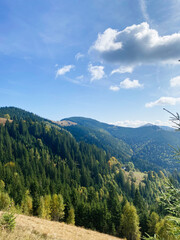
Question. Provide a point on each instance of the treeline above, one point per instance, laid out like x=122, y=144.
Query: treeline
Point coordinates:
x=46, y=173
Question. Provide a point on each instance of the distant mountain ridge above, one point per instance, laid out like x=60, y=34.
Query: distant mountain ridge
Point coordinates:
x=166, y=128
x=148, y=147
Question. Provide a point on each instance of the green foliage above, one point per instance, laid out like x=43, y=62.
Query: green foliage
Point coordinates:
x=4, y=200
x=27, y=204
x=170, y=199
x=130, y=223
x=152, y=221
x=57, y=207
x=164, y=230
x=44, y=210
x=7, y=116
x=71, y=216
x=7, y=221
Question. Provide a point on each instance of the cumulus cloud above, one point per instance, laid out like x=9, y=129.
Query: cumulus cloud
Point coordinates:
x=164, y=101
x=97, y=72
x=126, y=84
x=137, y=44
x=123, y=69
x=175, y=82
x=106, y=41
x=64, y=70
x=78, y=56
x=139, y=123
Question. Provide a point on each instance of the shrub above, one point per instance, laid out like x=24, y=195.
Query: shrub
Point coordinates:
x=7, y=221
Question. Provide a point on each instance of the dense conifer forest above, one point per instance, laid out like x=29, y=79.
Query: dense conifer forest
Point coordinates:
x=45, y=172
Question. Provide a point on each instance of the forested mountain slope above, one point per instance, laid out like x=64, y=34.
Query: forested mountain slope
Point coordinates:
x=148, y=147
x=45, y=172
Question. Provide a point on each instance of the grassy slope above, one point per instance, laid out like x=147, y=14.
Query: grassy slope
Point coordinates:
x=33, y=228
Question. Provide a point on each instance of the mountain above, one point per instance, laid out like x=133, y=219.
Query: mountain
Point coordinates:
x=162, y=127
x=46, y=172
x=168, y=128
x=94, y=132
x=18, y=113
x=148, y=147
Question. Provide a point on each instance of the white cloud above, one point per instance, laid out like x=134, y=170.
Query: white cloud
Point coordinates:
x=144, y=9
x=105, y=41
x=78, y=56
x=127, y=84
x=64, y=70
x=97, y=72
x=175, y=82
x=164, y=101
x=137, y=44
x=114, y=88
x=123, y=69
x=138, y=123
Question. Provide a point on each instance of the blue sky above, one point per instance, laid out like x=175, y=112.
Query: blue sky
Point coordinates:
x=114, y=61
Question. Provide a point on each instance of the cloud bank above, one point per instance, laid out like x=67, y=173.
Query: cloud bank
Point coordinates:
x=164, y=101
x=127, y=84
x=137, y=44
x=64, y=70
x=97, y=72
x=138, y=123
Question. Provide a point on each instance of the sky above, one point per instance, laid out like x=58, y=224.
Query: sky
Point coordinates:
x=115, y=61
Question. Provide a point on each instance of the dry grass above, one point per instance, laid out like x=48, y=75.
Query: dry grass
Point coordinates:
x=138, y=176
x=3, y=120
x=65, y=123
x=32, y=228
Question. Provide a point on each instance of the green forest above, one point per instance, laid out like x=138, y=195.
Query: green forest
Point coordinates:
x=46, y=172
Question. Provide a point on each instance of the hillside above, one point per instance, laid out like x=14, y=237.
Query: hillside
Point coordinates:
x=19, y=114
x=45, y=172
x=94, y=132
x=33, y=228
x=148, y=147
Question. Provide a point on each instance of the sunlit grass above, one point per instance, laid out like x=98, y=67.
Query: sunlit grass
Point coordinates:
x=33, y=228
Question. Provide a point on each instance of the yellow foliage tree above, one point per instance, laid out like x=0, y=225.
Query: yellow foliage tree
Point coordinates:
x=130, y=223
